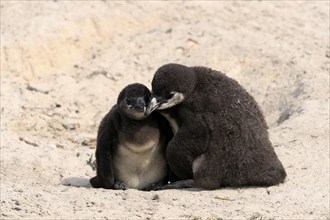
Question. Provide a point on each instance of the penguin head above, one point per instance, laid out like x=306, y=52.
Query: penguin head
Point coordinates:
x=171, y=84
x=133, y=100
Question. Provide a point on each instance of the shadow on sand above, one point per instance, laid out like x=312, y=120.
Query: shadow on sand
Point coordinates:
x=76, y=182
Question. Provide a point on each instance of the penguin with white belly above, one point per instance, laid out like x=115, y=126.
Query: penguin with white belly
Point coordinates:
x=130, y=151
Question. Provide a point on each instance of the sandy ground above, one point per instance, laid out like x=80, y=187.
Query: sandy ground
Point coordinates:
x=64, y=63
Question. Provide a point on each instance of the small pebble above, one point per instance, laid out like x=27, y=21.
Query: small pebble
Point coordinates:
x=85, y=142
x=17, y=208
x=155, y=197
x=71, y=126
x=51, y=146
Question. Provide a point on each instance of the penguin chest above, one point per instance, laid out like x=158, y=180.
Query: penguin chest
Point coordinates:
x=138, y=168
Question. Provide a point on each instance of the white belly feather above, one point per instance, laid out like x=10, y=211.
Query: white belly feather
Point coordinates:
x=172, y=121
x=140, y=166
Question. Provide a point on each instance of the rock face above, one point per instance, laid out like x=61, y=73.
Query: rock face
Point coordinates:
x=64, y=63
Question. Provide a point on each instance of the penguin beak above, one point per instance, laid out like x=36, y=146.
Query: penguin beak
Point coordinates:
x=140, y=104
x=152, y=106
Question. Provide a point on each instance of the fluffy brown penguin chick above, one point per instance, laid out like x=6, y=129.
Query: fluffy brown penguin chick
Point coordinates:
x=130, y=151
x=220, y=135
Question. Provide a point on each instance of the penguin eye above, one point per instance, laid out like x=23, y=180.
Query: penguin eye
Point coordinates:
x=128, y=102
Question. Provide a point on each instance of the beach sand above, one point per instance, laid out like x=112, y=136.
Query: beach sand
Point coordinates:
x=63, y=64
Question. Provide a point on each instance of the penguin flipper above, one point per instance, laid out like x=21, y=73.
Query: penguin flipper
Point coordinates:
x=106, y=138
x=98, y=182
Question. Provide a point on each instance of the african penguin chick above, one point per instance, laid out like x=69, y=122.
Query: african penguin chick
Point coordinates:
x=130, y=151
x=220, y=135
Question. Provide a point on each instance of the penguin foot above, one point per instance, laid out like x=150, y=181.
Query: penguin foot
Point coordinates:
x=154, y=187
x=120, y=186
x=181, y=184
